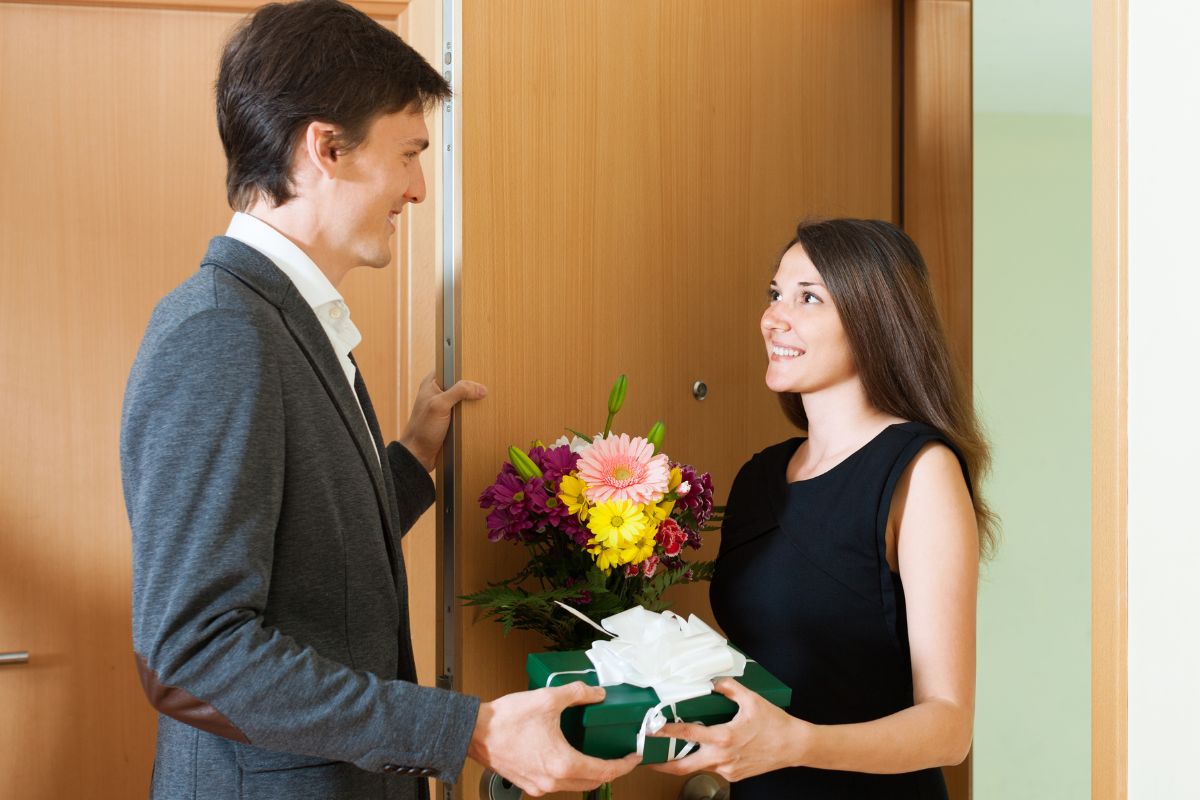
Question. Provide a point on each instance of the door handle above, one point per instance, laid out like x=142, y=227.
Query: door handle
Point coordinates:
x=703, y=787
x=19, y=657
x=495, y=787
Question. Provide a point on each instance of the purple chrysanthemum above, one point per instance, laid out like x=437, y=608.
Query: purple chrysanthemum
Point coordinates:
x=584, y=598
x=554, y=462
x=546, y=504
x=506, y=525
x=575, y=530
x=672, y=562
x=525, y=510
x=513, y=504
x=698, y=502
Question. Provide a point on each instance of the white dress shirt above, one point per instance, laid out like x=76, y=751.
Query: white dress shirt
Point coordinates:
x=321, y=295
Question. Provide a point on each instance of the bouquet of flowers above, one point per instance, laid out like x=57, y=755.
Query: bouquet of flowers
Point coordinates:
x=606, y=521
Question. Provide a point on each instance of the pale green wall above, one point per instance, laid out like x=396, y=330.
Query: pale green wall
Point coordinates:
x=1032, y=375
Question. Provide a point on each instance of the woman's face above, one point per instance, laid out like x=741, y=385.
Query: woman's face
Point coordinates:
x=807, y=348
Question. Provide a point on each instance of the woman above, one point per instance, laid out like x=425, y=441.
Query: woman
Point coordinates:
x=849, y=559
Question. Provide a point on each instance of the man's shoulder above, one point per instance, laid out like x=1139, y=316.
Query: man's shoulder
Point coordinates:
x=210, y=312
x=213, y=294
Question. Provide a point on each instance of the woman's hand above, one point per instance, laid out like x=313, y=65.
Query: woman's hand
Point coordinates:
x=760, y=738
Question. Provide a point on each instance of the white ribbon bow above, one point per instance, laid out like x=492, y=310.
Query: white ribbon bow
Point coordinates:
x=677, y=658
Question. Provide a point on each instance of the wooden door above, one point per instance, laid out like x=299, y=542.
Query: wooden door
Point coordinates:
x=630, y=174
x=111, y=184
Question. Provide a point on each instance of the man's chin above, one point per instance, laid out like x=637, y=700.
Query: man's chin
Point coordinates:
x=378, y=260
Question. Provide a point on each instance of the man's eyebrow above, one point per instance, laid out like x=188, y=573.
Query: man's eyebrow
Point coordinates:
x=420, y=144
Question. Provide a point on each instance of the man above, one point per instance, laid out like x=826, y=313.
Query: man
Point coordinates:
x=270, y=595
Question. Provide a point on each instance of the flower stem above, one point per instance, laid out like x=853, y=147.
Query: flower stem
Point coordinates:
x=601, y=792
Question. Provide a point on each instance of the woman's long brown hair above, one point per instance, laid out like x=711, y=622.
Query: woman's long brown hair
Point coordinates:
x=880, y=285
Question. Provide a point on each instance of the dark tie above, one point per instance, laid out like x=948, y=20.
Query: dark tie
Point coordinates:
x=364, y=399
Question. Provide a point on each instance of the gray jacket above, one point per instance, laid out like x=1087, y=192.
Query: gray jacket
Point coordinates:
x=270, y=607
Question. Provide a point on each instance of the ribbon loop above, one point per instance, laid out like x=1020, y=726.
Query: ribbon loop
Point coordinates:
x=679, y=659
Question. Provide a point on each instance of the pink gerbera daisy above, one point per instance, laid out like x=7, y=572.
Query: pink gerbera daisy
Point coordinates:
x=620, y=468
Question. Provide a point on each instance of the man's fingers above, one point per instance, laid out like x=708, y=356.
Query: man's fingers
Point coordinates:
x=577, y=694
x=621, y=766
x=599, y=770
x=464, y=390
x=429, y=381
x=626, y=764
x=580, y=773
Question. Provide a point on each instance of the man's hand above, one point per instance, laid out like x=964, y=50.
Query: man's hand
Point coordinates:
x=518, y=737
x=430, y=418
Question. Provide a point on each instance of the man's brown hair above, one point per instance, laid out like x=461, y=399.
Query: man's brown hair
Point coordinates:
x=291, y=64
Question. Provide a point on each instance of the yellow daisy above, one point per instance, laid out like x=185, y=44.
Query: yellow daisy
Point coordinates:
x=645, y=547
x=571, y=492
x=618, y=531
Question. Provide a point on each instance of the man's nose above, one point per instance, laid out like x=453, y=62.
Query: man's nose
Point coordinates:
x=416, y=186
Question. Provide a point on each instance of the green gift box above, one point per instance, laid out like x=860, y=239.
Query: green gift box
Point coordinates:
x=609, y=729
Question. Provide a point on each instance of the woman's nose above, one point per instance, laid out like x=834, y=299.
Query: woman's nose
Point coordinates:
x=772, y=320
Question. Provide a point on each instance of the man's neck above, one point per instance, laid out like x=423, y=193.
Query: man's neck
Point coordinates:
x=300, y=223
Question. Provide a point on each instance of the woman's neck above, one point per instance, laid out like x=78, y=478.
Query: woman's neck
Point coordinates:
x=841, y=420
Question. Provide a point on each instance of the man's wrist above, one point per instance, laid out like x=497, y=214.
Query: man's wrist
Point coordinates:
x=428, y=462
x=477, y=748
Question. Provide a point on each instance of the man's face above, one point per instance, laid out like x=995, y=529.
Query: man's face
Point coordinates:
x=374, y=182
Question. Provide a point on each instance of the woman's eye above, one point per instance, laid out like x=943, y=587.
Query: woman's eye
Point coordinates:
x=772, y=295
x=809, y=297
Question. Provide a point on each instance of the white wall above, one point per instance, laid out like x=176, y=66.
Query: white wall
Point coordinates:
x=1164, y=432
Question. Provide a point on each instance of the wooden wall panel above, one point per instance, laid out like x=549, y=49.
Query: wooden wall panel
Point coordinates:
x=937, y=155
x=111, y=184
x=630, y=175
x=937, y=188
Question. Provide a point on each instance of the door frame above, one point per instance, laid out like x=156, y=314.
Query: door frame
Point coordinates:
x=1110, y=348
x=936, y=183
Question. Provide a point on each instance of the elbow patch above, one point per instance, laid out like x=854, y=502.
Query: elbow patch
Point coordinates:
x=179, y=704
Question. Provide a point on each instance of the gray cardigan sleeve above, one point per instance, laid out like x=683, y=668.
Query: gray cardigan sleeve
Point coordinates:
x=415, y=491
x=202, y=448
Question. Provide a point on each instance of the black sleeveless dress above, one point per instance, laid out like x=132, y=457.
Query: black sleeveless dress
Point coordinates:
x=802, y=585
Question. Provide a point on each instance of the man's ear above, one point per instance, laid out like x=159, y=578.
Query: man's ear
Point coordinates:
x=320, y=147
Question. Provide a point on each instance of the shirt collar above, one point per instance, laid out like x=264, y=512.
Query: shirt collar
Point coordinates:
x=308, y=278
